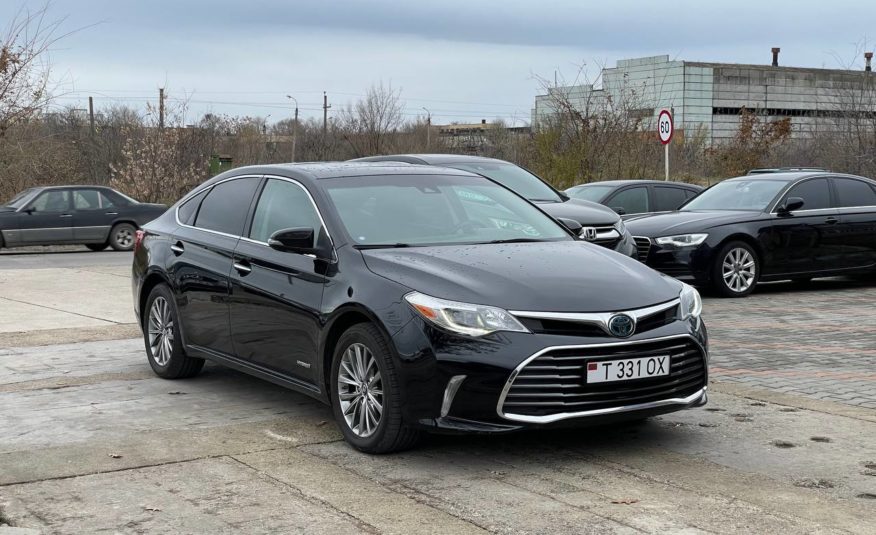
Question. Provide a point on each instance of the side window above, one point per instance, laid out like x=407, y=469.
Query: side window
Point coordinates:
x=106, y=201
x=690, y=194
x=632, y=200
x=189, y=209
x=815, y=194
x=283, y=205
x=854, y=192
x=225, y=207
x=86, y=199
x=668, y=198
x=52, y=201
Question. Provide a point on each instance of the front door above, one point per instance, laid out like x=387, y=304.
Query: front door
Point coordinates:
x=807, y=240
x=47, y=220
x=276, y=295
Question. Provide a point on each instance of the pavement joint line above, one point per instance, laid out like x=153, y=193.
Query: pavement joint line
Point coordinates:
x=99, y=272
x=794, y=400
x=60, y=310
x=361, y=524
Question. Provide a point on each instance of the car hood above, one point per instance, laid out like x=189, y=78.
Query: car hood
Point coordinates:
x=670, y=223
x=569, y=276
x=585, y=212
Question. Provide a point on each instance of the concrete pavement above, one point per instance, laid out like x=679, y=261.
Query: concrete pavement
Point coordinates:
x=92, y=441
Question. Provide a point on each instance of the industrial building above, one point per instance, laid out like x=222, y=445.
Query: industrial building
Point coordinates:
x=708, y=97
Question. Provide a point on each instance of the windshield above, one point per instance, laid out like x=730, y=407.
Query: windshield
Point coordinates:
x=19, y=200
x=737, y=195
x=512, y=177
x=589, y=193
x=398, y=211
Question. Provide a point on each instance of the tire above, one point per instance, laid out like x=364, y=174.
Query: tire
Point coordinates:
x=167, y=361
x=737, y=258
x=121, y=236
x=390, y=434
x=96, y=247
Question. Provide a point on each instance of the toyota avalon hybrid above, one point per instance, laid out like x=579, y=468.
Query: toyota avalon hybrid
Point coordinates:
x=600, y=224
x=412, y=298
x=765, y=227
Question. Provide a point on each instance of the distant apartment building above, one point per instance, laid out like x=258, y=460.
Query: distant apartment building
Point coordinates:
x=709, y=97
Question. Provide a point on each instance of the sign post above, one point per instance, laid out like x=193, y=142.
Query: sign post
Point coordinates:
x=664, y=132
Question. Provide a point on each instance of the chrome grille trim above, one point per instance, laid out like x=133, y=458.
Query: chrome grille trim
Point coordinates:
x=599, y=319
x=564, y=415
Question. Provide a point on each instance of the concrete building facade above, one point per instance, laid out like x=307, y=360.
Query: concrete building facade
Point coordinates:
x=708, y=97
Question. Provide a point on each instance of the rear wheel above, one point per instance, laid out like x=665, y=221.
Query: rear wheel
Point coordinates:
x=122, y=237
x=736, y=270
x=164, y=347
x=97, y=246
x=365, y=393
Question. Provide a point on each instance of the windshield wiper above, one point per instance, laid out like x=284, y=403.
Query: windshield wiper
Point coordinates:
x=381, y=245
x=516, y=240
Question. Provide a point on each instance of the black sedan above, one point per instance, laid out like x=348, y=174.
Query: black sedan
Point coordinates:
x=634, y=197
x=95, y=216
x=600, y=225
x=412, y=298
x=778, y=226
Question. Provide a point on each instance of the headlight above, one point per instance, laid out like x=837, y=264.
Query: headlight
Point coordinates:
x=682, y=240
x=691, y=302
x=464, y=318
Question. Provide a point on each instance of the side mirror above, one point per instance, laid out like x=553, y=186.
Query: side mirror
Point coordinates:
x=293, y=240
x=619, y=210
x=570, y=224
x=28, y=211
x=791, y=204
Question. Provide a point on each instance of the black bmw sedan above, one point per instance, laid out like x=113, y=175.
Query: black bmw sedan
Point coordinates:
x=778, y=226
x=412, y=298
x=600, y=225
x=95, y=216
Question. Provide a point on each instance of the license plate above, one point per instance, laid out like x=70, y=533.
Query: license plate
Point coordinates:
x=606, y=371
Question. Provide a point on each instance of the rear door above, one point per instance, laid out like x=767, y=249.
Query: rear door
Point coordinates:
x=856, y=200
x=91, y=223
x=807, y=240
x=276, y=295
x=47, y=220
x=667, y=198
x=630, y=200
x=201, y=264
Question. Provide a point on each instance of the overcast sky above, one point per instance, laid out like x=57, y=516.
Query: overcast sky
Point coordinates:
x=464, y=60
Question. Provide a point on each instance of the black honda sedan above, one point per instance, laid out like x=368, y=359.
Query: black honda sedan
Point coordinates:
x=95, y=216
x=778, y=226
x=600, y=225
x=412, y=298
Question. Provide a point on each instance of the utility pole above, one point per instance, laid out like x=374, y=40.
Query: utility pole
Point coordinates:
x=428, y=127
x=91, y=115
x=160, y=107
x=325, y=109
x=294, y=127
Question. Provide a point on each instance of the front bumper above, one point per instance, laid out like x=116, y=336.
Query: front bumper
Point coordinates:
x=688, y=264
x=488, y=400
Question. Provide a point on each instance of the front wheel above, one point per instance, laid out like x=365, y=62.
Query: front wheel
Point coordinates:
x=736, y=270
x=365, y=393
x=161, y=333
x=122, y=237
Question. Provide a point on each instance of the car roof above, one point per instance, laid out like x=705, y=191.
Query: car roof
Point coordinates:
x=430, y=159
x=637, y=181
x=328, y=170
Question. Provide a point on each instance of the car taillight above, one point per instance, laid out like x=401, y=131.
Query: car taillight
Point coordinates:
x=138, y=239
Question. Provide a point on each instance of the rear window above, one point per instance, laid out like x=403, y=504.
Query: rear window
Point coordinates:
x=854, y=193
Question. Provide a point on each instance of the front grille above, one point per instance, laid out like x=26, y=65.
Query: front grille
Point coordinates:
x=579, y=328
x=643, y=247
x=555, y=382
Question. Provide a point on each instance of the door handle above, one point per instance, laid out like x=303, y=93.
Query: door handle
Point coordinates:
x=112, y=213
x=177, y=248
x=831, y=221
x=66, y=215
x=243, y=268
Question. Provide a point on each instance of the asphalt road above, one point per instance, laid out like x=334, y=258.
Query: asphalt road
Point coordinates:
x=61, y=257
x=91, y=440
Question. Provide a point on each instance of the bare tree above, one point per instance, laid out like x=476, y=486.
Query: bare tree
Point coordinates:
x=24, y=65
x=370, y=125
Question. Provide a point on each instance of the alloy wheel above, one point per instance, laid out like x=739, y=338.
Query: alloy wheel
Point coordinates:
x=360, y=390
x=125, y=237
x=160, y=328
x=739, y=269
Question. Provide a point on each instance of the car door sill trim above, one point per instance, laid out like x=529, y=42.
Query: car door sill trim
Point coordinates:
x=257, y=371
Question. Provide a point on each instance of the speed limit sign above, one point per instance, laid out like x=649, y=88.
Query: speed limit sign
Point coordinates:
x=664, y=126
